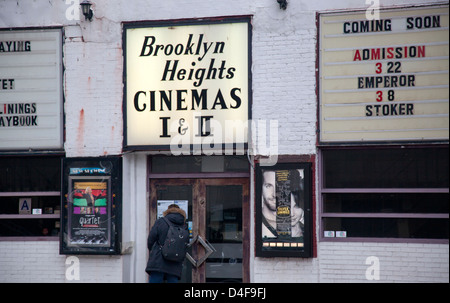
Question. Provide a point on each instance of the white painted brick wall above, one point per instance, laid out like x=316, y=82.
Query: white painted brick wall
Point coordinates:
x=290, y=98
x=31, y=262
x=40, y=262
x=93, y=96
x=346, y=263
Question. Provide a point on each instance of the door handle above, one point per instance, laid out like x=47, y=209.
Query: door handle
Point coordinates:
x=209, y=249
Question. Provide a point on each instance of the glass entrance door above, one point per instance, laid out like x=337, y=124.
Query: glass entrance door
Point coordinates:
x=216, y=210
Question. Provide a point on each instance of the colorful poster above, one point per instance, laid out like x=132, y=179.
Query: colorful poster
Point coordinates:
x=89, y=211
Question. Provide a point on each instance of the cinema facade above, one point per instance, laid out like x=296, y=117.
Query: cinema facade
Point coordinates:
x=306, y=143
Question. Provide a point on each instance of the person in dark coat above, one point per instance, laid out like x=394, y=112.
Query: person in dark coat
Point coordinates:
x=157, y=267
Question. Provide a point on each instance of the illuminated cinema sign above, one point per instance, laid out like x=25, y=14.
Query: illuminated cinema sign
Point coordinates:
x=384, y=79
x=186, y=83
x=31, y=89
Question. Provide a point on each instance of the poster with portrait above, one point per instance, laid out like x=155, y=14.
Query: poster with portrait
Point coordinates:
x=283, y=208
x=91, y=206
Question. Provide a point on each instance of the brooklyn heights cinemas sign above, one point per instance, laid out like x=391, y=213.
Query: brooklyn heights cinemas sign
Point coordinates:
x=187, y=84
x=30, y=89
x=384, y=79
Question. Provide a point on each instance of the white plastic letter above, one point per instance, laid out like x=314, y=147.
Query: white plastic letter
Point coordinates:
x=73, y=271
x=73, y=11
x=373, y=11
x=373, y=271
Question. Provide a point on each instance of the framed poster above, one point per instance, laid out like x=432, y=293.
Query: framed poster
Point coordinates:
x=91, y=204
x=283, y=210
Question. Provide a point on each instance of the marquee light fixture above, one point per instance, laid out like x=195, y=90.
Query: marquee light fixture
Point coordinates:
x=86, y=9
x=283, y=4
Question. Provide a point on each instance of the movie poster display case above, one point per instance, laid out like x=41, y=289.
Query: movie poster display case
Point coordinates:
x=283, y=210
x=91, y=203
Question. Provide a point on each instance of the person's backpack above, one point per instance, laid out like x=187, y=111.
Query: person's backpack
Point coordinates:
x=174, y=248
